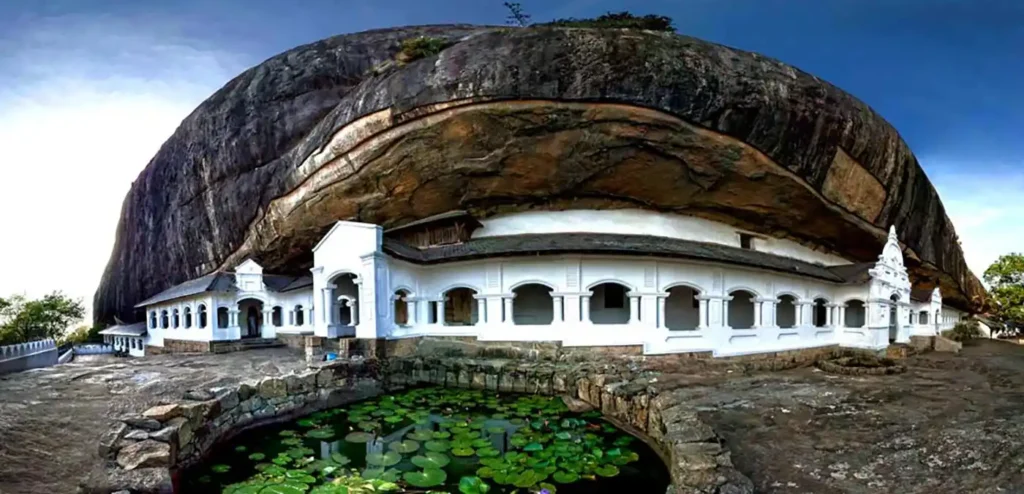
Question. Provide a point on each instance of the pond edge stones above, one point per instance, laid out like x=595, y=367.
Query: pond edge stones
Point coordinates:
x=697, y=458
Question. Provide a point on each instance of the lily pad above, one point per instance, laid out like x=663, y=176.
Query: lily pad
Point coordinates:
x=607, y=470
x=291, y=441
x=463, y=451
x=383, y=459
x=533, y=447
x=340, y=459
x=442, y=435
x=257, y=457
x=220, y=468
x=389, y=475
x=325, y=433
x=240, y=449
x=420, y=435
x=563, y=477
x=407, y=446
x=431, y=460
x=438, y=446
x=429, y=477
x=473, y=485
x=488, y=452
x=359, y=437
x=286, y=433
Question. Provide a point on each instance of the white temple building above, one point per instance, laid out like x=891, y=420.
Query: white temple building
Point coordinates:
x=664, y=282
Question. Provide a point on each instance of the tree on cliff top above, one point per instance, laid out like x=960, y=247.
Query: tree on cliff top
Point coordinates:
x=1005, y=279
x=23, y=320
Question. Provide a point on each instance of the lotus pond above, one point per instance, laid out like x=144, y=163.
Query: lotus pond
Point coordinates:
x=439, y=441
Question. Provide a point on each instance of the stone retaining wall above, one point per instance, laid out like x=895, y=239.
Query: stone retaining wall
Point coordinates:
x=145, y=450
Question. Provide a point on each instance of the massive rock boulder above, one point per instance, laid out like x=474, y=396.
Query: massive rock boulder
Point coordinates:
x=509, y=119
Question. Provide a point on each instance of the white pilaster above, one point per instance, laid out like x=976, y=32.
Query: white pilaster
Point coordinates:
x=558, y=310
x=509, y=316
x=661, y=312
x=634, y=309
x=585, y=310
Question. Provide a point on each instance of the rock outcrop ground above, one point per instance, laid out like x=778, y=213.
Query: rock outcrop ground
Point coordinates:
x=949, y=424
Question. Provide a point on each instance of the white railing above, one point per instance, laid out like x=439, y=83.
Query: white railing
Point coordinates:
x=20, y=350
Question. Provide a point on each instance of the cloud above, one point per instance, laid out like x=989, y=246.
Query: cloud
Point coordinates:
x=85, y=103
x=986, y=206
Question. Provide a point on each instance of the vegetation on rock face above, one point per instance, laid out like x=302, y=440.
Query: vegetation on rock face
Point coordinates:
x=23, y=320
x=1005, y=279
x=619, y=20
x=438, y=440
x=421, y=47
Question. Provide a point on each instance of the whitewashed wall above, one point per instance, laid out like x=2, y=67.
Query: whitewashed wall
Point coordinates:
x=641, y=222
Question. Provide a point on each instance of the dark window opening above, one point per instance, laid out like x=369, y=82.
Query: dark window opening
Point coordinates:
x=746, y=241
x=614, y=296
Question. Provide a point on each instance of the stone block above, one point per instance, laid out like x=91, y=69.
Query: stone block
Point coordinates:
x=137, y=435
x=324, y=377
x=143, y=423
x=142, y=454
x=228, y=400
x=109, y=440
x=163, y=413
x=272, y=387
x=478, y=381
x=245, y=390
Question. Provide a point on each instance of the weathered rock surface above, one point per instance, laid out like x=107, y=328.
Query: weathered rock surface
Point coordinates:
x=142, y=454
x=511, y=119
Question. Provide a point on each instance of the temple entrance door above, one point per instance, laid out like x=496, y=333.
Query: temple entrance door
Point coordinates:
x=252, y=322
x=894, y=326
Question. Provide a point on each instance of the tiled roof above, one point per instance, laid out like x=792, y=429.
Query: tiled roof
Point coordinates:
x=637, y=245
x=920, y=295
x=435, y=218
x=225, y=282
x=137, y=329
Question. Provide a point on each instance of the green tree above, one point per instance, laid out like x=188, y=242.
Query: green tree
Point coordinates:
x=23, y=320
x=1005, y=279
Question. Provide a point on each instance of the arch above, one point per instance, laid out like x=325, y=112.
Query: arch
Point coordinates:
x=785, y=310
x=787, y=293
x=223, y=318
x=277, y=316
x=187, y=317
x=692, y=286
x=533, y=304
x=682, y=309
x=456, y=286
x=609, y=303
x=401, y=307
x=516, y=286
x=409, y=292
x=152, y=319
x=743, y=288
x=250, y=317
x=460, y=308
x=202, y=316
x=342, y=272
x=165, y=320
x=344, y=308
x=855, y=313
x=259, y=297
x=820, y=312
x=605, y=281
x=300, y=315
x=741, y=308
x=175, y=319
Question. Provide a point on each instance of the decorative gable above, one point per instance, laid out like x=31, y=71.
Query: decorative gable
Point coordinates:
x=249, y=277
x=889, y=275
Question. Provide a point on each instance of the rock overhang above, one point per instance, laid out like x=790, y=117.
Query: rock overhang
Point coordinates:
x=511, y=119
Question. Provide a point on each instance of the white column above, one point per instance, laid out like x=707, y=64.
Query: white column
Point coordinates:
x=354, y=304
x=481, y=311
x=842, y=316
x=232, y=317
x=558, y=310
x=725, y=313
x=758, y=313
x=509, y=316
x=634, y=309
x=585, y=311
x=327, y=307
x=662, y=322
x=439, y=312
x=309, y=320
x=702, y=313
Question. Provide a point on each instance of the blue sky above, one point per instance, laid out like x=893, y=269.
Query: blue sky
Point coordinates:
x=89, y=90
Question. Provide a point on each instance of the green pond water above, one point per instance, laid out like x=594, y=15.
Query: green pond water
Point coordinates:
x=435, y=440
